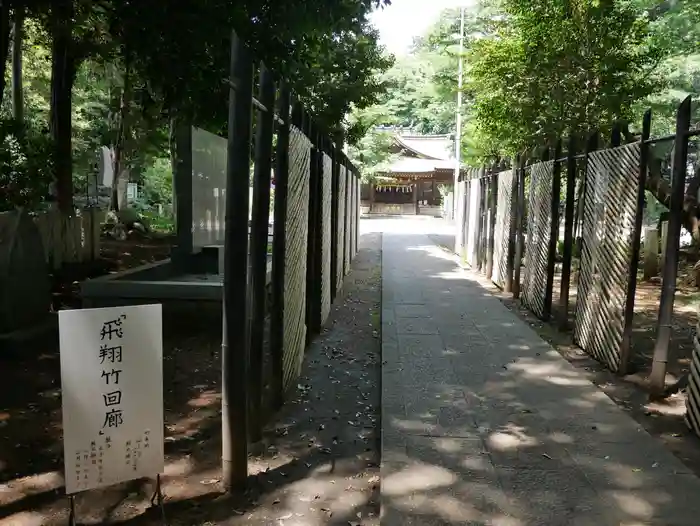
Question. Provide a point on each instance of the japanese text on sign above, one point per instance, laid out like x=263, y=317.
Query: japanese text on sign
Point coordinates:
x=111, y=353
x=112, y=385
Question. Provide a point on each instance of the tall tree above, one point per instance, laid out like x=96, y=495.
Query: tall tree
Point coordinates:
x=177, y=63
x=63, y=68
x=5, y=24
x=559, y=65
x=17, y=49
x=327, y=52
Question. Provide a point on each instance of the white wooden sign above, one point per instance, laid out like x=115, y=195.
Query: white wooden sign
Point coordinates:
x=112, y=388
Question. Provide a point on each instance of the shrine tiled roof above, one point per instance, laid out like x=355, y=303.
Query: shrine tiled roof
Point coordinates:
x=416, y=166
x=438, y=147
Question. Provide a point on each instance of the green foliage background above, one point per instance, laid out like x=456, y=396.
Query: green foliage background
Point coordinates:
x=538, y=69
x=125, y=71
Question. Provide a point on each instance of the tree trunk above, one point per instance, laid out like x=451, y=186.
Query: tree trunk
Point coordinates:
x=661, y=189
x=578, y=214
x=124, y=104
x=17, y=40
x=172, y=144
x=63, y=70
x=4, y=42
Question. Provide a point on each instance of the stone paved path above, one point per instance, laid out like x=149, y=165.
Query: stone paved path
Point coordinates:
x=484, y=424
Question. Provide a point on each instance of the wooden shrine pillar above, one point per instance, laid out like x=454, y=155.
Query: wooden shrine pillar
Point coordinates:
x=415, y=197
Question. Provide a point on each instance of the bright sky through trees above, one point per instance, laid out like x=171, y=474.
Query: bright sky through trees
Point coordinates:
x=403, y=20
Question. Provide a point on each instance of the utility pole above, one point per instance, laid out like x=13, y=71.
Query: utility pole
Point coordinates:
x=458, y=135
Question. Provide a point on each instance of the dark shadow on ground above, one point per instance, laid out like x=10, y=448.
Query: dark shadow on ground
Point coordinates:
x=318, y=461
x=484, y=423
x=664, y=419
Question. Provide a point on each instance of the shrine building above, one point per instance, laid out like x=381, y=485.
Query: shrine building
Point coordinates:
x=412, y=183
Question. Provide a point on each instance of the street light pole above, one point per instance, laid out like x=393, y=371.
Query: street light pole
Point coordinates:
x=458, y=134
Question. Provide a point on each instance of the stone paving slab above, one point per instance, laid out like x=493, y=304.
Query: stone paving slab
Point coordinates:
x=483, y=423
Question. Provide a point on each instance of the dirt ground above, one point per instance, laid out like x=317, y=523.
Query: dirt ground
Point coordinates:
x=115, y=256
x=317, y=464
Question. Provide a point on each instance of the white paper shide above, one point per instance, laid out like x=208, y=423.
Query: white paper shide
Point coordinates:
x=112, y=384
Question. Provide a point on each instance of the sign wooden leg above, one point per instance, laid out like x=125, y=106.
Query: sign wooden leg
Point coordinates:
x=158, y=499
x=71, y=515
